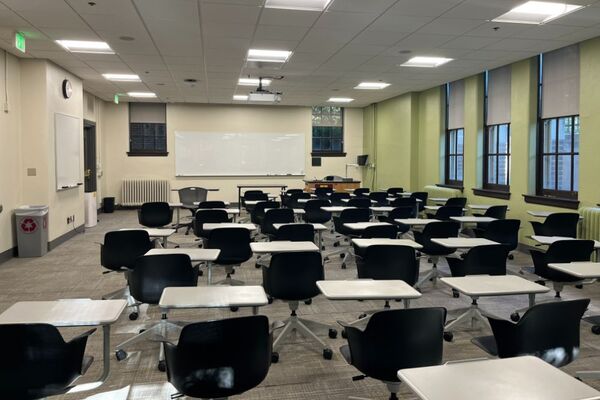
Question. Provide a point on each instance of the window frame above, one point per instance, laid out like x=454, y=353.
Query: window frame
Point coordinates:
x=500, y=187
x=330, y=152
x=457, y=155
x=144, y=152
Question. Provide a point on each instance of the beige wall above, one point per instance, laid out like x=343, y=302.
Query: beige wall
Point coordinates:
x=218, y=118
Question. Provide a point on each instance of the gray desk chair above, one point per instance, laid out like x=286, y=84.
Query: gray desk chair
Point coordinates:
x=189, y=196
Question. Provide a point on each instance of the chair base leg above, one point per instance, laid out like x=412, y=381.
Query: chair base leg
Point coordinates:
x=472, y=314
x=432, y=275
x=160, y=331
x=303, y=327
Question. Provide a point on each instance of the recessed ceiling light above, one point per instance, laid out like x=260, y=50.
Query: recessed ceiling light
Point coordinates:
x=372, y=85
x=147, y=95
x=340, y=100
x=304, y=5
x=278, y=56
x=85, y=46
x=426, y=62
x=122, y=77
x=537, y=12
x=253, y=82
x=240, y=97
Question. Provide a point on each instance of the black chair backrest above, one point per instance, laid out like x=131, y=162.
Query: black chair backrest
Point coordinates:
x=549, y=331
x=565, y=251
x=359, y=202
x=421, y=196
x=560, y=224
x=379, y=197
x=37, y=361
x=296, y=233
x=486, y=260
x=122, y=248
x=437, y=230
x=389, y=262
x=314, y=213
x=404, y=202
x=322, y=192
x=380, y=232
x=152, y=274
x=445, y=212
x=353, y=215
x=235, y=357
x=505, y=231
x=337, y=197
x=258, y=211
x=208, y=216
x=498, y=212
x=361, y=191
x=456, y=202
x=402, y=212
x=397, y=339
x=255, y=195
x=234, y=244
x=294, y=191
x=394, y=191
x=155, y=214
x=294, y=202
x=191, y=195
x=293, y=276
x=211, y=204
x=276, y=216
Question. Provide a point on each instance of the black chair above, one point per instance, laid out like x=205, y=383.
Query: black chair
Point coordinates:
x=404, y=202
x=420, y=196
x=359, y=202
x=218, y=359
x=445, y=212
x=294, y=201
x=557, y=224
x=380, y=197
x=190, y=197
x=549, y=331
x=394, y=191
x=38, y=363
x=253, y=195
x=361, y=191
x=456, y=202
x=435, y=230
x=208, y=216
x=497, y=212
x=314, y=213
x=323, y=192
x=350, y=215
x=288, y=195
x=150, y=276
x=234, y=244
x=276, y=216
x=562, y=251
x=118, y=254
x=505, y=231
x=292, y=277
x=296, y=233
x=399, y=213
x=337, y=198
x=258, y=211
x=155, y=214
x=211, y=204
x=394, y=340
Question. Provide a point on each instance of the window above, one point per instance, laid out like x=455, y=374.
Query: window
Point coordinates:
x=496, y=154
x=558, y=126
x=328, y=131
x=455, y=133
x=147, y=129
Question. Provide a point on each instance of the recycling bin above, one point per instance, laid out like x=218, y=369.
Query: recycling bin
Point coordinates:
x=108, y=205
x=32, y=230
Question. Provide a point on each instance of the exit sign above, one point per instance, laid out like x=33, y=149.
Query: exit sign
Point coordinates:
x=116, y=99
x=20, y=42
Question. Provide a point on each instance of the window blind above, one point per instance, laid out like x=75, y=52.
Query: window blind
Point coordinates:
x=155, y=113
x=498, y=105
x=560, y=82
x=456, y=104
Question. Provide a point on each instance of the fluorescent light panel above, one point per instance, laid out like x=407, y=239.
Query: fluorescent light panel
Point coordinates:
x=340, y=100
x=240, y=97
x=122, y=77
x=372, y=85
x=537, y=12
x=147, y=95
x=253, y=82
x=276, y=56
x=85, y=46
x=303, y=5
x=426, y=62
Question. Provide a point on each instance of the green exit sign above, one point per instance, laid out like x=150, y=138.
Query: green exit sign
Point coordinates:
x=116, y=99
x=20, y=42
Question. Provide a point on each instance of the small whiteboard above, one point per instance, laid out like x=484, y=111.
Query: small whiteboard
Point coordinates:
x=239, y=154
x=67, y=141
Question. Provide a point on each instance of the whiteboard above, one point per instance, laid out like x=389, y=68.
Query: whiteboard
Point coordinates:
x=239, y=154
x=67, y=143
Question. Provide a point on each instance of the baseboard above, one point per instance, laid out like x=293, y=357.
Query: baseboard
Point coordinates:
x=8, y=254
x=63, y=238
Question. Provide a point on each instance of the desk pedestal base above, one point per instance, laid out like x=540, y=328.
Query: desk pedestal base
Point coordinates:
x=472, y=314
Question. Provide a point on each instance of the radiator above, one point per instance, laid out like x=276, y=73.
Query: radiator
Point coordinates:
x=590, y=226
x=135, y=192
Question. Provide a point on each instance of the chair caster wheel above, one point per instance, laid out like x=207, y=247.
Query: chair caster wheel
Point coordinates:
x=120, y=355
x=332, y=334
x=325, y=259
x=308, y=302
x=270, y=299
x=579, y=286
x=200, y=273
x=133, y=316
x=511, y=257
x=274, y=358
x=322, y=247
x=455, y=294
x=257, y=266
x=515, y=317
x=596, y=329
x=162, y=366
x=448, y=336
x=343, y=265
x=234, y=309
x=327, y=354
x=141, y=331
x=429, y=260
x=344, y=334
x=361, y=316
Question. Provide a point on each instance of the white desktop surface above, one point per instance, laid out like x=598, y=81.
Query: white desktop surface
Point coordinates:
x=194, y=254
x=228, y=210
x=483, y=207
x=213, y=297
x=581, y=269
x=348, y=200
x=210, y=227
x=363, y=243
x=416, y=221
x=515, y=378
x=367, y=289
x=493, y=285
x=297, y=211
x=462, y=242
x=282, y=246
x=179, y=204
x=438, y=199
x=63, y=313
x=383, y=209
x=153, y=232
x=317, y=227
x=472, y=219
x=540, y=214
x=547, y=240
x=336, y=209
x=359, y=226
x=435, y=208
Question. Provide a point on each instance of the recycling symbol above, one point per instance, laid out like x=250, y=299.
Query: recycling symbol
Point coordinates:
x=28, y=225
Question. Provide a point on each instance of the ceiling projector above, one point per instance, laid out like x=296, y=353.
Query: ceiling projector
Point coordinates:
x=263, y=95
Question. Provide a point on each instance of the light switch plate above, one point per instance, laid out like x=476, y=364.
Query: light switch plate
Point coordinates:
x=31, y=172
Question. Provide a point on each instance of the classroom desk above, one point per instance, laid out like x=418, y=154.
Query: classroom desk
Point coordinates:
x=364, y=243
x=471, y=220
x=416, y=221
x=483, y=207
x=209, y=227
x=156, y=233
x=282, y=246
x=368, y=289
x=463, y=243
x=319, y=228
x=516, y=378
x=70, y=313
x=196, y=255
x=179, y=206
x=548, y=240
x=476, y=286
x=272, y=186
x=335, y=210
x=361, y=226
x=348, y=200
x=435, y=208
x=438, y=200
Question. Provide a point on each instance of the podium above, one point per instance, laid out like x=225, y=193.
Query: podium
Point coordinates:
x=338, y=186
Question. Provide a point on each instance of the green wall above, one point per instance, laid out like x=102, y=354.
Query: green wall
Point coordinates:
x=411, y=127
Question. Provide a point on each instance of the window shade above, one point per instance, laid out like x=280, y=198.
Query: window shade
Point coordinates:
x=560, y=82
x=456, y=105
x=498, y=105
x=155, y=113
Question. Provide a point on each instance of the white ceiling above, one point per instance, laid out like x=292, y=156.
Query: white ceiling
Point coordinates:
x=353, y=41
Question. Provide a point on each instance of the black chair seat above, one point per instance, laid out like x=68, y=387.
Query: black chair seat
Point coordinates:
x=487, y=344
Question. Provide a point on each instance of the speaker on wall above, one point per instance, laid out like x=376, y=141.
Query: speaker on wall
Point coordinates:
x=316, y=161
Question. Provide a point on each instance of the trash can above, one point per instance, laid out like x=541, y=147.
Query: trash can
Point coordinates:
x=32, y=230
x=108, y=204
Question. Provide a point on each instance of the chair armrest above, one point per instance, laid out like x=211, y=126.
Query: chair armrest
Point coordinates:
x=85, y=335
x=346, y=325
